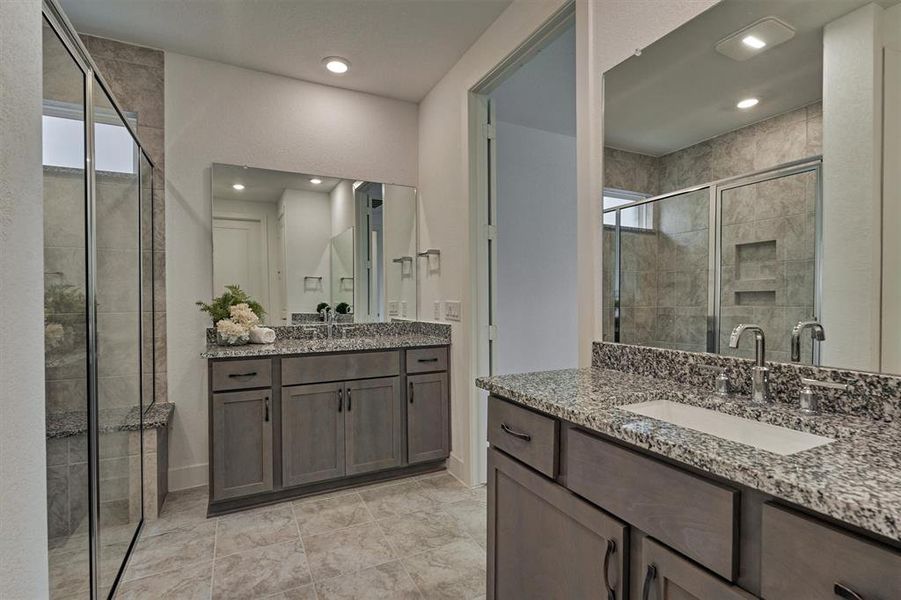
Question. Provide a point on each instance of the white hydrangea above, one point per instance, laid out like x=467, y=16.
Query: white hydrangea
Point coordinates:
x=242, y=314
x=228, y=328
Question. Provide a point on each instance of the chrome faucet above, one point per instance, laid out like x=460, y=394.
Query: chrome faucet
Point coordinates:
x=760, y=374
x=816, y=331
x=331, y=318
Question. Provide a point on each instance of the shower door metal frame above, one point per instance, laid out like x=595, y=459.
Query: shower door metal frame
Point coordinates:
x=68, y=36
x=714, y=254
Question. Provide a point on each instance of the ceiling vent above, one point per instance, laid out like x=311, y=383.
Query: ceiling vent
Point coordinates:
x=755, y=39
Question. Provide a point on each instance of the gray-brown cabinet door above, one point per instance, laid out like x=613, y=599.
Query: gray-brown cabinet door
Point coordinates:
x=372, y=424
x=666, y=575
x=242, y=443
x=427, y=427
x=312, y=433
x=544, y=542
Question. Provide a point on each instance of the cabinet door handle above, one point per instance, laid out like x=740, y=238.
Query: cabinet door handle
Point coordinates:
x=348, y=400
x=523, y=436
x=843, y=591
x=266, y=403
x=611, y=550
x=251, y=374
x=340, y=400
x=649, y=578
x=411, y=392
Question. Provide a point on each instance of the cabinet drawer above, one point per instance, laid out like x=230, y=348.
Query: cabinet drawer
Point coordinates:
x=369, y=365
x=526, y=435
x=241, y=374
x=805, y=559
x=313, y=369
x=423, y=360
x=695, y=516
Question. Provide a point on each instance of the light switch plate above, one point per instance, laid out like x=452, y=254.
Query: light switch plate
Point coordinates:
x=437, y=310
x=452, y=310
x=392, y=309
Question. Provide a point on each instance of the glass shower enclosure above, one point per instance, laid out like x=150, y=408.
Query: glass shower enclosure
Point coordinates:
x=681, y=270
x=98, y=305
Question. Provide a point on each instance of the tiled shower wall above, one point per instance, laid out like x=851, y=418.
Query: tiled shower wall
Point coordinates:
x=135, y=75
x=768, y=230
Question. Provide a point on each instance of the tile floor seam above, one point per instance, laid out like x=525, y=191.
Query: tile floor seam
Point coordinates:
x=213, y=574
x=304, y=548
x=403, y=566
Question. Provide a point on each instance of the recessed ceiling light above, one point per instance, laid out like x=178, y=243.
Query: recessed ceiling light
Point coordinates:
x=748, y=103
x=315, y=181
x=336, y=64
x=753, y=41
x=238, y=186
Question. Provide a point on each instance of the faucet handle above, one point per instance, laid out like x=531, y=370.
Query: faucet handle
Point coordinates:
x=845, y=387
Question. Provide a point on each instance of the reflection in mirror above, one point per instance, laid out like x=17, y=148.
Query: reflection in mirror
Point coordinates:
x=296, y=241
x=744, y=183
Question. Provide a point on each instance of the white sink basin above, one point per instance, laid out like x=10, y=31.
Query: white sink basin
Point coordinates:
x=773, y=438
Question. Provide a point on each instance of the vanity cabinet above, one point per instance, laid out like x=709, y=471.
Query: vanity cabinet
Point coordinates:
x=427, y=417
x=544, y=542
x=242, y=451
x=288, y=426
x=668, y=576
x=312, y=419
x=372, y=424
x=677, y=533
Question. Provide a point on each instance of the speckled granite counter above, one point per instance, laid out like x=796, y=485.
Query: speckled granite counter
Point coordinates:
x=855, y=479
x=67, y=424
x=319, y=346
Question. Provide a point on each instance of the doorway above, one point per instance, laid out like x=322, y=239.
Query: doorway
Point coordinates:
x=525, y=218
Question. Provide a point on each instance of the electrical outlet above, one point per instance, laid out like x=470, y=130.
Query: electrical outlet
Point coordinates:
x=452, y=310
x=403, y=308
x=437, y=314
x=392, y=309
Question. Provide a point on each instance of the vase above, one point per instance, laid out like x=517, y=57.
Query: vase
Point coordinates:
x=232, y=340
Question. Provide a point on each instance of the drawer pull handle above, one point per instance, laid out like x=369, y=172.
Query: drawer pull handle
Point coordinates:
x=611, y=549
x=266, y=402
x=411, y=392
x=340, y=400
x=523, y=436
x=649, y=577
x=434, y=359
x=843, y=591
x=235, y=375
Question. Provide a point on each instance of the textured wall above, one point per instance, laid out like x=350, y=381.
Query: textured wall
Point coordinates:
x=23, y=507
x=224, y=114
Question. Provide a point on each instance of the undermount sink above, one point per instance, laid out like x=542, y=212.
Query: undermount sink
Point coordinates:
x=772, y=438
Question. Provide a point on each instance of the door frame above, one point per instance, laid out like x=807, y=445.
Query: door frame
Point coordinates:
x=482, y=228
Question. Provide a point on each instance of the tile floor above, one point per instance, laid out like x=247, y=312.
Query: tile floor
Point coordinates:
x=421, y=537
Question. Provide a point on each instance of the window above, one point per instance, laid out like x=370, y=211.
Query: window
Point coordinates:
x=63, y=141
x=641, y=217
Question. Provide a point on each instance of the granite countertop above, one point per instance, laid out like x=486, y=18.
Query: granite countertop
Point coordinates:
x=855, y=479
x=70, y=423
x=319, y=346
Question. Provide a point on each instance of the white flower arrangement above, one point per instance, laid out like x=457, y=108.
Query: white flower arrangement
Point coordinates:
x=236, y=329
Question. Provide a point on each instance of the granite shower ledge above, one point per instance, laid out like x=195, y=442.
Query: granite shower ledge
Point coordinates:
x=855, y=479
x=72, y=423
x=323, y=346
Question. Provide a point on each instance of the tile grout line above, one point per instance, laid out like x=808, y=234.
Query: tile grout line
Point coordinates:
x=303, y=547
x=399, y=559
x=215, y=543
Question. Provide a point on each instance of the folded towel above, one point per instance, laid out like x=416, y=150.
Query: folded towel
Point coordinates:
x=262, y=335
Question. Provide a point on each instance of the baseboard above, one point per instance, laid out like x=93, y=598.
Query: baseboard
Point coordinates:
x=192, y=476
x=456, y=468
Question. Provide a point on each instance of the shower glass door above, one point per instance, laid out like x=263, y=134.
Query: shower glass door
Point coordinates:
x=65, y=320
x=768, y=259
x=118, y=283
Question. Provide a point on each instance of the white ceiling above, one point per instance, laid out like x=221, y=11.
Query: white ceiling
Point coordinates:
x=397, y=48
x=541, y=94
x=263, y=185
x=680, y=91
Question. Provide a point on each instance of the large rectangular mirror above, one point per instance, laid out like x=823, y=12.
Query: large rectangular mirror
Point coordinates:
x=751, y=168
x=298, y=241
